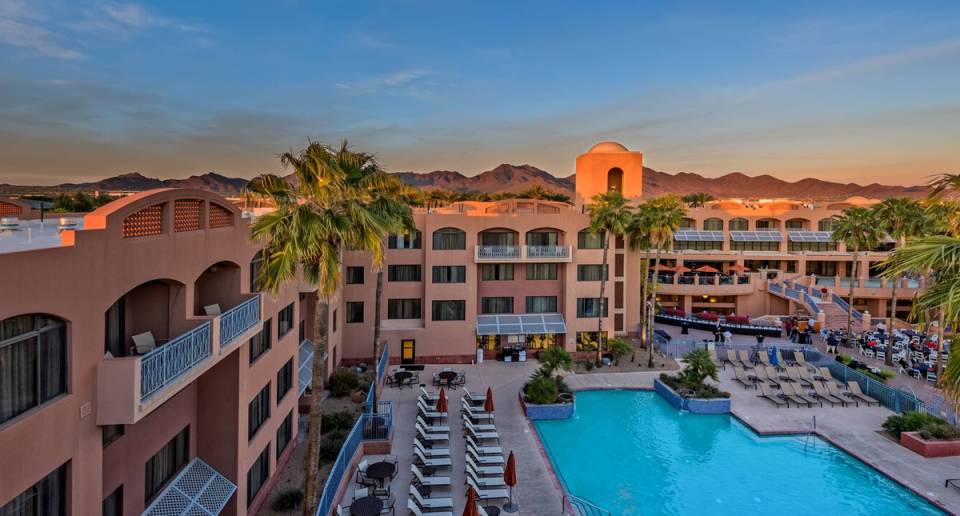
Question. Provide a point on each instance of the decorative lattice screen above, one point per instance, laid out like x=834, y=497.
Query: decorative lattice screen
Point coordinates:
x=146, y=222
x=186, y=215
x=220, y=217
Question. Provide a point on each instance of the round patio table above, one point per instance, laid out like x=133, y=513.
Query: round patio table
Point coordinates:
x=366, y=506
x=380, y=471
x=492, y=510
x=448, y=376
x=401, y=376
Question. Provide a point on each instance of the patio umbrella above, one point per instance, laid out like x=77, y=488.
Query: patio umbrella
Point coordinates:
x=488, y=403
x=471, y=508
x=510, y=478
x=739, y=268
x=681, y=269
x=661, y=268
x=706, y=269
x=772, y=352
x=442, y=402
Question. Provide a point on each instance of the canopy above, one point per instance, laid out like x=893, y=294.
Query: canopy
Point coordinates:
x=662, y=268
x=707, y=269
x=522, y=324
x=488, y=402
x=739, y=268
x=809, y=236
x=698, y=236
x=756, y=236
x=471, y=508
x=681, y=269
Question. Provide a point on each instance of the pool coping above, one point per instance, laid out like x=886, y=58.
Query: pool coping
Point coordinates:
x=760, y=433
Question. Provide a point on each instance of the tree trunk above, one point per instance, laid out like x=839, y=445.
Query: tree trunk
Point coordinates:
x=310, y=487
x=652, y=307
x=853, y=285
x=642, y=330
x=603, y=302
x=888, y=359
x=376, y=337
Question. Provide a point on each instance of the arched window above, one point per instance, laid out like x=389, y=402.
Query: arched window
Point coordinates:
x=713, y=224
x=498, y=237
x=738, y=224
x=615, y=180
x=688, y=223
x=447, y=239
x=825, y=224
x=767, y=224
x=33, y=362
x=588, y=240
x=255, y=265
x=797, y=224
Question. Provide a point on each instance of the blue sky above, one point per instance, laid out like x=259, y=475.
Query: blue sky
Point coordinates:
x=863, y=91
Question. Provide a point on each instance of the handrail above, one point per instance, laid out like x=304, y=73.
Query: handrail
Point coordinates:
x=548, y=251
x=164, y=364
x=239, y=319
x=498, y=251
x=581, y=506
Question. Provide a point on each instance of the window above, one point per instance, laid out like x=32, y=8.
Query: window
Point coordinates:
x=115, y=329
x=618, y=294
x=496, y=305
x=738, y=224
x=403, y=309
x=302, y=330
x=811, y=246
x=284, y=380
x=33, y=363
x=256, y=265
x=449, y=310
x=615, y=180
x=541, y=271
x=165, y=464
x=260, y=343
x=405, y=241
x=284, y=434
x=590, y=307
x=541, y=304
x=285, y=321
x=449, y=274
x=543, y=237
x=258, y=412
x=403, y=273
x=334, y=320
x=617, y=322
x=795, y=224
x=449, y=239
x=688, y=224
x=588, y=240
x=495, y=237
x=258, y=474
x=113, y=504
x=618, y=265
x=593, y=272
x=111, y=433
x=496, y=271
x=766, y=224
x=689, y=245
x=354, y=276
x=825, y=225
x=713, y=224
x=48, y=497
x=354, y=312
x=754, y=246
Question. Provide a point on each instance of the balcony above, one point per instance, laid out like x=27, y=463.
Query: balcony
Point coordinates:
x=129, y=388
x=525, y=253
x=717, y=285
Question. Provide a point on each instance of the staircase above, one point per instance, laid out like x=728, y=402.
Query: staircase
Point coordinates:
x=835, y=313
x=836, y=317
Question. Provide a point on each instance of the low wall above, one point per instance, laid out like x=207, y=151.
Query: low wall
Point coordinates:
x=692, y=405
x=542, y=412
x=913, y=442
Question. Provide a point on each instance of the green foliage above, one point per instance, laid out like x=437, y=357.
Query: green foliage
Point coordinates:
x=939, y=432
x=553, y=359
x=699, y=367
x=618, y=348
x=542, y=391
x=696, y=200
x=586, y=364
x=844, y=359
x=702, y=391
x=330, y=445
x=287, y=500
x=79, y=202
x=341, y=420
x=910, y=422
x=343, y=381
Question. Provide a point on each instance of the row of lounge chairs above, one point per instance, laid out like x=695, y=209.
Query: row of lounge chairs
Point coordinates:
x=741, y=358
x=795, y=389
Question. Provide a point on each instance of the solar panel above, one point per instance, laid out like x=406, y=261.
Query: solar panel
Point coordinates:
x=520, y=324
x=809, y=236
x=698, y=236
x=756, y=236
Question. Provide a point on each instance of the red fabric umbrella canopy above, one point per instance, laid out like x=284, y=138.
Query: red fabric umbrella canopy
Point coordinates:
x=471, y=508
x=681, y=269
x=442, y=401
x=707, y=269
x=488, y=403
x=739, y=268
x=661, y=268
x=510, y=472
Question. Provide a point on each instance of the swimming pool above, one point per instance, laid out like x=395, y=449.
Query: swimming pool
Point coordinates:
x=632, y=453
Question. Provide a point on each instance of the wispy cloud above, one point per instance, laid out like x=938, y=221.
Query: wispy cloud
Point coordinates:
x=22, y=26
x=128, y=18
x=410, y=82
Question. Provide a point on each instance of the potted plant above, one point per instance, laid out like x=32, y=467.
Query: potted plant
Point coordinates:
x=687, y=390
x=924, y=434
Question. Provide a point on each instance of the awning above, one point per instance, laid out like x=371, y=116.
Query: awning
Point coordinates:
x=698, y=236
x=522, y=324
x=198, y=490
x=809, y=236
x=756, y=236
x=305, y=368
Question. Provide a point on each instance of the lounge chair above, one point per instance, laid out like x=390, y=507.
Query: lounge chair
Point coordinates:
x=741, y=377
x=794, y=374
x=774, y=376
x=483, y=470
x=416, y=510
x=474, y=399
x=782, y=361
x=792, y=393
x=827, y=377
x=482, y=436
x=431, y=452
x=426, y=395
x=801, y=360
x=744, y=356
x=436, y=462
x=432, y=428
x=488, y=494
x=485, y=481
x=858, y=394
x=487, y=460
x=731, y=357
x=427, y=437
x=433, y=414
x=483, y=450
x=764, y=358
x=805, y=374
x=765, y=392
x=825, y=395
x=430, y=503
x=804, y=394
x=478, y=427
x=213, y=309
x=477, y=417
x=428, y=480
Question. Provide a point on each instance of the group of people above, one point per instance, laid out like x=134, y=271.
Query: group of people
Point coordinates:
x=800, y=331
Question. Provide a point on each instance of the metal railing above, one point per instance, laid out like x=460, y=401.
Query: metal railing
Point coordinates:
x=340, y=468
x=377, y=425
x=839, y=301
x=239, y=319
x=166, y=363
x=548, y=251
x=577, y=506
x=197, y=490
x=894, y=399
x=381, y=370
x=811, y=303
x=776, y=288
x=498, y=251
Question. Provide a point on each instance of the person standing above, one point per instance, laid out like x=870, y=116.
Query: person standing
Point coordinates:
x=727, y=338
x=831, y=343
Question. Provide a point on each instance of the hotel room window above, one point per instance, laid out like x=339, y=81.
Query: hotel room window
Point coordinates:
x=260, y=343
x=541, y=304
x=405, y=241
x=590, y=307
x=354, y=312
x=285, y=321
x=284, y=434
x=588, y=240
x=449, y=310
x=496, y=271
x=165, y=464
x=541, y=271
x=449, y=274
x=33, y=363
x=354, y=276
x=403, y=273
x=449, y=239
x=403, y=309
x=284, y=380
x=591, y=272
x=258, y=411
x=48, y=497
x=496, y=305
x=258, y=474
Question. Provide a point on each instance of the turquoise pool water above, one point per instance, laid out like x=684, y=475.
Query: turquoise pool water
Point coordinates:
x=632, y=453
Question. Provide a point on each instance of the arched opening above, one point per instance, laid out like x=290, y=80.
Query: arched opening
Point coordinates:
x=688, y=223
x=768, y=224
x=217, y=289
x=825, y=224
x=615, y=180
x=797, y=224
x=713, y=224
x=448, y=239
x=155, y=307
x=544, y=237
x=33, y=362
x=498, y=237
x=738, y=224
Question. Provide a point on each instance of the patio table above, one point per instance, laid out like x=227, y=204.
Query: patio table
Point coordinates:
x=402, y=376
x=366, y=506
x=380, y=471
x=448, y=376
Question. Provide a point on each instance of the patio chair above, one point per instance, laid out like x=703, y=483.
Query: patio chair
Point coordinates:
x=362, y=492
x=430, y=452
x=482, y=436
x=765, y=392
x=774, y=374
x=482, y=428
x=416, y=510
x=430, y=438
x=341, y=511
x=482, y=470
x=827, y=377
x=858, y=394
x=804, y=394
x=486, y=460
x=764, y=359
x=931, y=376
x=794, y=374
x=483, y=450
x=823, y=394
x=432, y=428
x=763, y=377
x=428, y=396
x=800, y=359
x=389, y=504
x=741, y=377
x=791, y=392
x=420, y=479
x=143, y=343
x=487, y=482
x=744, y=356
x=782, y=361
x=731, y=358
x=488, y=494
x=436, y=462
x=474, y=399
x=362, y=478
x=430, y=503
x=805, y=374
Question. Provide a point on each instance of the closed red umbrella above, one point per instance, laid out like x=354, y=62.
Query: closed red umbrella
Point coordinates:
x=510, y=478
x=471, y=508
x=442, y=402
x=488, y=403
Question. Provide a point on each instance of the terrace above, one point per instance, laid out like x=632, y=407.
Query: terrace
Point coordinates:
x=30, y=235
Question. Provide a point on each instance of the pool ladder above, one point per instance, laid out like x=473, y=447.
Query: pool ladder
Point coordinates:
x=810, y=436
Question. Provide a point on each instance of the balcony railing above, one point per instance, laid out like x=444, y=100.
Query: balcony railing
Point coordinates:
x=239, y=319
x=548, y=251
x=516, y=253
x=197, y=490
x=498, y=251
x=164, y=364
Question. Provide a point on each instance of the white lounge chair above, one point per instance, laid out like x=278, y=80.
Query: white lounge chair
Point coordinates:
x=474, y=399
x=486, y=481
x=426, y=412
x=488, y=494
x=430, y=503
x=436, y=462
x=467, y=424
x=431, y=452
x=143, y=343
x=432, y=428
x=428, y=396
x=213, y=309
x=427, y=430
x=484, y=459
x=483, y=436
x=9, y=224
x=483, y=450
x=428, y=481
x=416, y=511
x=431, y=438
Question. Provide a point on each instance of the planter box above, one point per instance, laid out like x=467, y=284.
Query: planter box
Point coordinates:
x=914, y=443
x=554, y=411
x=692, y=405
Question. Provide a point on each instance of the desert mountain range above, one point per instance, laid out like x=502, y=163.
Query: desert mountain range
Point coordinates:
x=516, y=178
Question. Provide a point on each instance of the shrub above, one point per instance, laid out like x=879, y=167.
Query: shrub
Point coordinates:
x=343, y=381
x=939, y=432
x=676, y=312
x=561, y=385
x=554, y=359
x=699, y=367
x=330, y=445
x=738, y=319
x=542, y=391
x=708, y=316
x=341, y=420
x=287, y=500
x=702, y=391
x=618, y=347
x=844, y=359
x=910, y=422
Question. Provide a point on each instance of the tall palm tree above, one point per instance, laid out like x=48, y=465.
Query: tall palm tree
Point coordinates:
x=900, y=218
x=857, y=228
x=638, y=236
x=665, y=216
x=696, y=200
x=315, y=219
x=609, y=216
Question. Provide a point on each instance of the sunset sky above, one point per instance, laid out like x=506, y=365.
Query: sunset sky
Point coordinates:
x=865, y=92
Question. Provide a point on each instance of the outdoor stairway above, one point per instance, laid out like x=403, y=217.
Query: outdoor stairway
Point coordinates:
x=835, y=315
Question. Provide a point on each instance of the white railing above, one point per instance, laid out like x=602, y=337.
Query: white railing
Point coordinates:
x=498, y=251
x=548, y=251
x=164, y=364
x=512, y=253
x=239, y=319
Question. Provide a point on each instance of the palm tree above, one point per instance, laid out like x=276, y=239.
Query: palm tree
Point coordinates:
x=638, y=235
x=665, y=215
x=315, y=219
x=857, y=228
x=609, y=216
x=696, y=200
x=900, y=218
